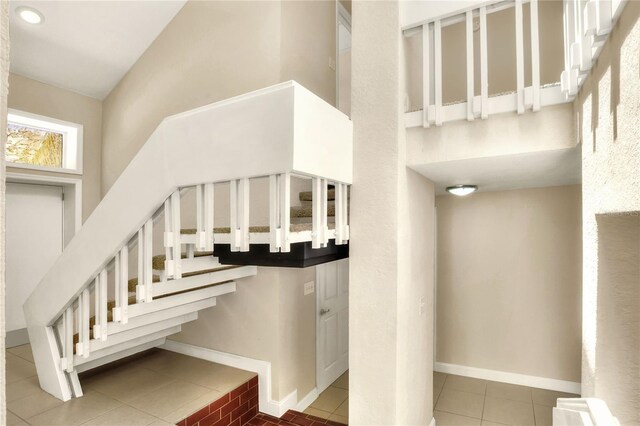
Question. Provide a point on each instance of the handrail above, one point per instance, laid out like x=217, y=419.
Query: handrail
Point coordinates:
x=280, y=129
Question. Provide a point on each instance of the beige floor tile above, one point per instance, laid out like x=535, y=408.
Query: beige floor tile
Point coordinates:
x=509, y=391
x=507, y=411
x=175, y=365
x=543, y=415
x=122, y=416
x=436, y=395
x=549, y=397
x=343, y=409
x=18, y=369
x=466, y=384
x=23, y=351
x=448, y=419
x=218, y=377
x=462, y=403
x=33, y=405
x=22, y=388
x=330, y=399
x=488, y=423
x=126, y=383
x=439, y=378
x=339, y=419
x=318, y=413
x=159, y=422
x=76, y=411
x=169, y=398
x=342, y=382
x=12, y=419
x=193, y=406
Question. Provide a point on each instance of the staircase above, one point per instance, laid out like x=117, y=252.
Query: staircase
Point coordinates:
x=87, y=311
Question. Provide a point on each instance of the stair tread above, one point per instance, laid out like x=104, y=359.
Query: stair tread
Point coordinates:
x=132, y=301
x=331, y=195
x=307, y=211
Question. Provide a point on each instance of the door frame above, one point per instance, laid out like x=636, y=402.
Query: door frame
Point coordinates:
x=72, y=203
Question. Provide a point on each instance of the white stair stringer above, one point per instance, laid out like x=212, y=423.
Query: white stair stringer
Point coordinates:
x=106, y=359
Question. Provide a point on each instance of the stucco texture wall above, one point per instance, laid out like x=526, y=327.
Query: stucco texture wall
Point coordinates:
x=607, y=111
x=391, y=268
x=39, y=98
x=501, y=310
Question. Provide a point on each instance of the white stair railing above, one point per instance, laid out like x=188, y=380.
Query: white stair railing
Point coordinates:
x=532, y=97
x=272, y=133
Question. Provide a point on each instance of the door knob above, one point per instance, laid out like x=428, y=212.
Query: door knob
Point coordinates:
x=324, y=311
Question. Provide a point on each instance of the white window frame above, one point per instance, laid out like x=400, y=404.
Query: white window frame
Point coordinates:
x=71, y=143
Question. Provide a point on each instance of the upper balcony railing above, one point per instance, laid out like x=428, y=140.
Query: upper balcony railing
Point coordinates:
x=473, y=59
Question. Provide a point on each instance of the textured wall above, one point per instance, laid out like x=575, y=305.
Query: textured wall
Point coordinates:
x=391, y=270
x=509, y=281
x=39, y=98
x=607, y=112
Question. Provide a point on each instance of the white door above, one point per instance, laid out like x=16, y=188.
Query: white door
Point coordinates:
x=332, y=322
x=34, y=241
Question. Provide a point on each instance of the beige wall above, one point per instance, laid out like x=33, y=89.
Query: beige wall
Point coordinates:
x=267, y=318
x=509, y=281
x=501, y=54
x=607, y=112
x=390, y=339
x=209, y=52
x=39, y=98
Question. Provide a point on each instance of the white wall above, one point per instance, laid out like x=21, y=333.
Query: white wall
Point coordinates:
x=391, y=241
x=607, y=111
x=509, y=281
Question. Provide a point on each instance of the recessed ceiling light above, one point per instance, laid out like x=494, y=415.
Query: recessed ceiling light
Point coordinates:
x=30, y=15
x=462, y=190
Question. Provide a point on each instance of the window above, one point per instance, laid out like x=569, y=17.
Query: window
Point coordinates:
x=43, y=143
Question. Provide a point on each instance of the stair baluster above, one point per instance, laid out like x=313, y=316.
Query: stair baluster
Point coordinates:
x=67, y=346
x=123, y=277
x=239, y=193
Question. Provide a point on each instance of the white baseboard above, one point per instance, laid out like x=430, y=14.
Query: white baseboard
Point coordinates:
x=506, y=377
x=305, y=402
x=267, y=405
x=433, y=421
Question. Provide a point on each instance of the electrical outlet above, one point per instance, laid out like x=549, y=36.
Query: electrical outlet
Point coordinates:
x=309, y=287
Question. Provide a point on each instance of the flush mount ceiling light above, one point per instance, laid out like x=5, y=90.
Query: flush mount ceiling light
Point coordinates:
x=462, y=190
x=30, y=15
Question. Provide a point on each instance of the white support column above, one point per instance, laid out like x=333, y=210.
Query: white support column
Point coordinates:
x=535, y=55
x=148, y=261
x=519, y=58
x=200, y=230
x=118, y=292
x=470, y=70
x=67, y=346
x=426, y=75
x=275, y=231
x=175, y=229
x=285, y=212
x=97, y=292
x=124, y=291
x=437, y=51
x=484, y=70
x=209, y=213
x=82, y=347
x=319, y=213
x=240, y=214
x=140, y=287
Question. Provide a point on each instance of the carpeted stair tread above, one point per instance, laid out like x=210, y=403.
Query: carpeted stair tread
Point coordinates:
x=158, y=261
x=331, y=195
x=307, y=211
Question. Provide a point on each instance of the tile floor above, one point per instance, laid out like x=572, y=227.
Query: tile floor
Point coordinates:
x=463, y=401
x=159, y=388
x=333, y=403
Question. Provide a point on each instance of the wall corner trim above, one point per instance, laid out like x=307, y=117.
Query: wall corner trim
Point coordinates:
x=267, y=405
x=507, y=377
